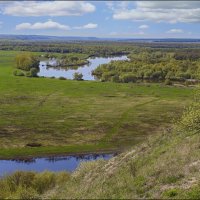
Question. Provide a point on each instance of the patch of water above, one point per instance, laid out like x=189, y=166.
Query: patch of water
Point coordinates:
x=86, y=70
x=58, y=163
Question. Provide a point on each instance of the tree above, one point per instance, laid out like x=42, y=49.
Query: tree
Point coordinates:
x=26, y=61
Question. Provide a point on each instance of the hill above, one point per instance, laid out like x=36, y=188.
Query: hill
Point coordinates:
x=80, y=38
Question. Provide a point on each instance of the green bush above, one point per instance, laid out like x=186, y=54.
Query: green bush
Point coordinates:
x=190, y=120
x=126, y=78
x=78, y=76
x=62, y=78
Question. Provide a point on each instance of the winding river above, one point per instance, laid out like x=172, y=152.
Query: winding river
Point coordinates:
x=86, y=70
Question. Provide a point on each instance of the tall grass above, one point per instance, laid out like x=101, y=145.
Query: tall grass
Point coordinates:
x=30, y=185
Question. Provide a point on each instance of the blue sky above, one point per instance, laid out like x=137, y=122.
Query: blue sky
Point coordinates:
x=125, y=19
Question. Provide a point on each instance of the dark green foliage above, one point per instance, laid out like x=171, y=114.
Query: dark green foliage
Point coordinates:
x=62, y=78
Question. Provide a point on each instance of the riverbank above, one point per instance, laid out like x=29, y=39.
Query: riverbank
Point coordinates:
x=40, y=152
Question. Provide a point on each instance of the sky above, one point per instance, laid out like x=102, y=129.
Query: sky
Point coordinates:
x=105, y=19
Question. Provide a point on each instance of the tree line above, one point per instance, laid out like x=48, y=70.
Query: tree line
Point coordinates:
x=154, y=66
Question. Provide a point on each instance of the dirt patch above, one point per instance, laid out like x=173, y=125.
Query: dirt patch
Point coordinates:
x=34, y=144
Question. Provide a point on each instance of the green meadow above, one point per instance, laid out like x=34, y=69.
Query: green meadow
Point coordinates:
x=66, y=116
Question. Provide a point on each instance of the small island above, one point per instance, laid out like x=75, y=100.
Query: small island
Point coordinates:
x=70, y=60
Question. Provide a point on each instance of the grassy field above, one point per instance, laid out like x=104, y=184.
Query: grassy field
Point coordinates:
x=165, y=166
x=67, y=116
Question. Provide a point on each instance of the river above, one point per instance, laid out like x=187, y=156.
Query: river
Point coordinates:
x=56, y=163
x=86, y=70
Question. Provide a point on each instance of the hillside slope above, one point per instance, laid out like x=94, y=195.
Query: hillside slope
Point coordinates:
x=165, y=166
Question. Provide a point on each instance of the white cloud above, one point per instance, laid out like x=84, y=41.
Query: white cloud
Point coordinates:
x=175, y=31
x=48, y=8
x=160, y=11
x=45, y=25
x=90, y=25
x=144, y=26
x=52, y=25
x=87, y=26
x=113, y=5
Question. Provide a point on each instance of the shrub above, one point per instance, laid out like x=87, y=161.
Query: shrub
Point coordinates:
x=126, y=78
x=33, y=72
x=18, y=73
x=62, y=78
x=78, y=76
x=190, y=120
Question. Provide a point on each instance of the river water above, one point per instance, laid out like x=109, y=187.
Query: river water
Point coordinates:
x=57, y=163
x=86, y=70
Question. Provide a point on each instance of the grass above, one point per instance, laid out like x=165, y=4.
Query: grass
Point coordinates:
x=72, y=116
